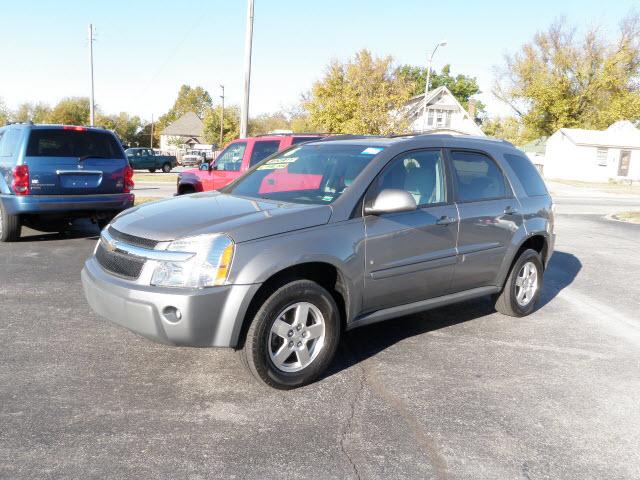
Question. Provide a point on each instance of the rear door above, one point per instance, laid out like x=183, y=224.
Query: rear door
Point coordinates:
x=74, y=161
x=489, y=217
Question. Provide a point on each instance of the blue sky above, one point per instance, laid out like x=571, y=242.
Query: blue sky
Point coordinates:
x=146, y=49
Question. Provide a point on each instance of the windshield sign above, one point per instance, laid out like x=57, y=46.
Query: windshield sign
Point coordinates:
x=313, y=174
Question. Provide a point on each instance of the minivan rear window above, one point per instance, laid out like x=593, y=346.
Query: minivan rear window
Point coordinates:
x=72, y=143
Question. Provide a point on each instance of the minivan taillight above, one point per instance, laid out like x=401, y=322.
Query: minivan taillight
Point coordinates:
x=20, y=182
x=128, y=179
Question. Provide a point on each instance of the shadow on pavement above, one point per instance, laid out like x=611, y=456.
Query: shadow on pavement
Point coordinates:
x=360, y=344
x=79, y=229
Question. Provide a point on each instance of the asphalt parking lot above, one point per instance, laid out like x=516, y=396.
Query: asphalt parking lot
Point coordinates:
x=459, y=392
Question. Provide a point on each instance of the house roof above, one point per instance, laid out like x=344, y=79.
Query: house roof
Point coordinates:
x=622, y=134
x=188, y=125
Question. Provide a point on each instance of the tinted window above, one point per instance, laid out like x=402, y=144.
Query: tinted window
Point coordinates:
x=231, y=158
x=527, y=174
x=10, y=141
x=421, y=173
x=72, y=143
x=296, y=140
x=262, y=150
x=477, y=177
x=314, y=174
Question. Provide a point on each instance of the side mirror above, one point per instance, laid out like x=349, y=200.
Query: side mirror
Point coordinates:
x=204, y=167
x=391, y=200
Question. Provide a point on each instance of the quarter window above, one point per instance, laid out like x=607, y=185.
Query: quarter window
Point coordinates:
x=262, y=150
x=477, y=177
x=419, y=172
x=527, y=174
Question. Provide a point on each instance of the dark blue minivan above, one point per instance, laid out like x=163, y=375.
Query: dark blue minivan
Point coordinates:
x=52, y=174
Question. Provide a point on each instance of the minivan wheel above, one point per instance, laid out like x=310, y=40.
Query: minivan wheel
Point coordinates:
x=293, y=336
x=10, y=226
x=523, y=286
x=166, y=168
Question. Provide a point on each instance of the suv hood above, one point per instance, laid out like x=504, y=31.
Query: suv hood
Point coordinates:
x=241, y=218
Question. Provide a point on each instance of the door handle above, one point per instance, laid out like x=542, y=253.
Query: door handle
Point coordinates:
x=510, y=211
x=445, y=220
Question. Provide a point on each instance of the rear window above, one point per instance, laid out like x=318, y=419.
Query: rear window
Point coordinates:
x=72, y=143
x=262, y=149
x=296, y=140
x=527, y=174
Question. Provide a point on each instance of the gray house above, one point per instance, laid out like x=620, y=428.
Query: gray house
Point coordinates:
x=185, y=132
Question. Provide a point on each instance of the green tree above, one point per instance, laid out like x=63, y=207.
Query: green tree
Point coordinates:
x=463, y=87
x=189, y=99
x=505, y=128
x=37, y=113
x=362, y=96
x=267, y=122
x=70, y=111
x=4, y=113
x=231, y=125
x=559, y=80
x=127, y=127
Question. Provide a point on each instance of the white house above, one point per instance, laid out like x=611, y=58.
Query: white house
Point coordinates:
x=185, y=132
x=594, y=155
x=443, y=114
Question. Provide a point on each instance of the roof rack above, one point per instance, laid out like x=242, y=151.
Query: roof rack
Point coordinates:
x=347, y=136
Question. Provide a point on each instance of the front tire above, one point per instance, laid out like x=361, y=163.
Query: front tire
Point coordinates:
x=10, y=226
x=293, y=336
x=523, y=286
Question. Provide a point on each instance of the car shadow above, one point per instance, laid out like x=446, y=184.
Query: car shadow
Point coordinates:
x=362, y=343
x=81, y=228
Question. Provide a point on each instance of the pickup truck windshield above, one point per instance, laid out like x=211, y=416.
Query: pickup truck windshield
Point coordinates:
x=313, y=174
x=72, y=143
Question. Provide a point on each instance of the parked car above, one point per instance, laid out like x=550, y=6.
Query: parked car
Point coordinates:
x=234, y=160
x=193, y=158
x=326, y=237
x=51, y=174
x=147, y=159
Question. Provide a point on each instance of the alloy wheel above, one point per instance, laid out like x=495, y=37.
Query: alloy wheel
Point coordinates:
x=526, y=284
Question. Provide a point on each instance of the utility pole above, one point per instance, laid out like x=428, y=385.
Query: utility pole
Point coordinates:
x=221, y=119
x=151, y=140
x=426, y=88
x=248, y=39
x=92, y=113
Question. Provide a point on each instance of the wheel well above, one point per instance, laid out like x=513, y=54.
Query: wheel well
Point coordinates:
x=184, y=189
x=325, y=274
x=537, y=243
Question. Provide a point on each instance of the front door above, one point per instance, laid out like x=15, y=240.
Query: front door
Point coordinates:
x=488, y=219
x=623, y=166
x=227, y=166
x=410, y=256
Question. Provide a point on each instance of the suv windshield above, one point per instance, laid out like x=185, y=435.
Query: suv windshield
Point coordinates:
x=72, y=143
x=314, y=174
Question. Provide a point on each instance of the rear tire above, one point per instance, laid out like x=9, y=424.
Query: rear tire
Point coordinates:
x=166, y=168
x=523, y=286
x=152, y=170
x=293, y=337
x=10, y=226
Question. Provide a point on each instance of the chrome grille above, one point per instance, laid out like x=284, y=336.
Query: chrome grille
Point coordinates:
x=122, y=264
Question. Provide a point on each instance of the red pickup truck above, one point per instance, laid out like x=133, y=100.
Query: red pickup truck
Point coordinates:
x=234, y=160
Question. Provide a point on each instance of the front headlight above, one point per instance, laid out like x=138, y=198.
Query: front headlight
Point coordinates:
x=208, y=267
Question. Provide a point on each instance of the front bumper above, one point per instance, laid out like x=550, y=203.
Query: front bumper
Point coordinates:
x=210, y=317
x=43, y=204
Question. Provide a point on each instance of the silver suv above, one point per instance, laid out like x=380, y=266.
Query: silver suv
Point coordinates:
x=325, y=237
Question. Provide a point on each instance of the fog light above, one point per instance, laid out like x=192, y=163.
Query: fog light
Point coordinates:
x=172, y=314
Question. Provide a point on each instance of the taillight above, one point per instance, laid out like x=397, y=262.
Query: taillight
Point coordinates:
x=20, y=182
x=128, y=179
x=73, y=127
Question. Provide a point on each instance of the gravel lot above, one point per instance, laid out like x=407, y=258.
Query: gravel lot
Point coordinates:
x=459, y=392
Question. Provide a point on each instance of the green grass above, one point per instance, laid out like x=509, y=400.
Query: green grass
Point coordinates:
x=141, y=200
x=155, y=177
x=611, y=187
x=631, y=217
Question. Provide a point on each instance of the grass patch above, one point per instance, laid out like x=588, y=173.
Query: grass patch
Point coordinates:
x=610, y=187
x=155, y=177
x=631, y=217
x=141, y=200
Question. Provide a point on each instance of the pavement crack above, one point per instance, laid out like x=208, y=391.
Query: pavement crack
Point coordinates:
x=348, y=428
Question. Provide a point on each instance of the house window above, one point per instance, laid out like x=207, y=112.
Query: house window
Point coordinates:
x=430, y=117
x=602, y=157
x=439, y=118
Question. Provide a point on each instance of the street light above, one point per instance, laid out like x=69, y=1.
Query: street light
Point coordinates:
x=426, y=88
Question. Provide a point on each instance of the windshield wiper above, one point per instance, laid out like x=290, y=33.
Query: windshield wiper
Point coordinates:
x=85, y=157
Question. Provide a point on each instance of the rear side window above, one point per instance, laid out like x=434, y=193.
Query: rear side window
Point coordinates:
x=527, y=174
x=477, y=177
x=9, y=142
x=72, y=143
x=295, y=140
x=262, y=150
